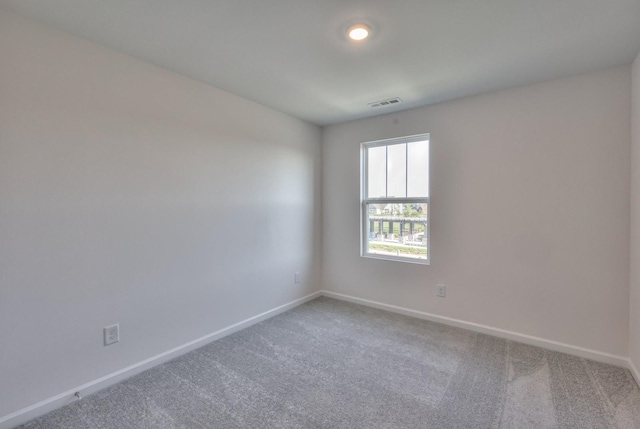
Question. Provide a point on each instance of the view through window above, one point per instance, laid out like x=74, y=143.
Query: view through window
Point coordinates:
x=395, y=199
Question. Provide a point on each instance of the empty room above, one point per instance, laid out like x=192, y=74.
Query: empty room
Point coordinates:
x=320, y=214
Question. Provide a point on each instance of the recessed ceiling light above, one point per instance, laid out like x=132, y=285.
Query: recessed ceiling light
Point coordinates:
x=358, y=32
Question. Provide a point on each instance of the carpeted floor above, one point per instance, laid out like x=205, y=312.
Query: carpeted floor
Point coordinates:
x=331, y=364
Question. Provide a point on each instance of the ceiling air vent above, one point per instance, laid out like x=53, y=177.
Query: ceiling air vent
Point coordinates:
x=387, y=102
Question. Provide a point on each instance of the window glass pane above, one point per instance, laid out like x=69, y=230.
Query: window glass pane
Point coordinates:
x=397, y=230
x=377, y=172
x=418, y=169
x=397, y=170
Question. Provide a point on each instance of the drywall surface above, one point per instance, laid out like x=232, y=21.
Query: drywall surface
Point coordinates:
x=529, y=211
x=634, y=326
x=132, y=195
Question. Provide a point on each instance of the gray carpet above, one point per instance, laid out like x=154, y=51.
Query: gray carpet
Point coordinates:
x=331, y=364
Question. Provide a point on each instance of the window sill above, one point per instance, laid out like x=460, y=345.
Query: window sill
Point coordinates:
x=396, y=259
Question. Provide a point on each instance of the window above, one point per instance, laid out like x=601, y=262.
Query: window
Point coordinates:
x=395, y=199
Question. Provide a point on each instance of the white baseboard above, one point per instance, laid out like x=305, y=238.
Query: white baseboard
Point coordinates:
x=36, y=410
x=496, y=332
x=634, y=371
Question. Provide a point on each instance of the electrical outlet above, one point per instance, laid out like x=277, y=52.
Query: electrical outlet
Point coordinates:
x=111, y=334
x=441, y=291
x=296, y=277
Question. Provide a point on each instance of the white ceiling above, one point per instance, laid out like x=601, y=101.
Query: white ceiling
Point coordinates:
x=293, y=55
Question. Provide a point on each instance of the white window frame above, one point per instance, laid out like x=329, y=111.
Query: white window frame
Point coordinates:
x=364, y=201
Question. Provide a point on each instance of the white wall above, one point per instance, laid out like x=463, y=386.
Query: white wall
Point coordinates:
x=133, y=195
x=530, y=211
x=634, y=326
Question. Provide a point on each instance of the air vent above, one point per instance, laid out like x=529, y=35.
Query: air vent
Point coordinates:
x=387, y=102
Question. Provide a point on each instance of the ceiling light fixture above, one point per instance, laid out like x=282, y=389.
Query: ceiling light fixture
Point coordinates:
x=358, y=32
